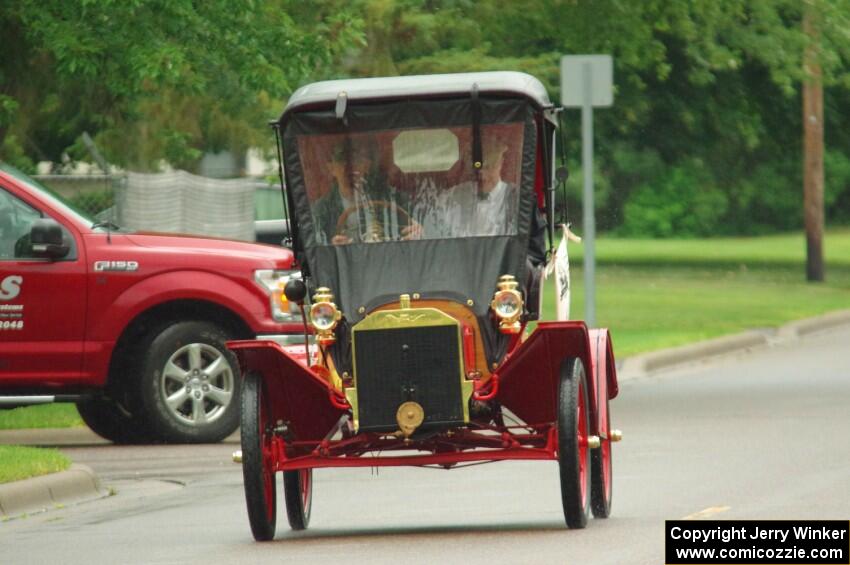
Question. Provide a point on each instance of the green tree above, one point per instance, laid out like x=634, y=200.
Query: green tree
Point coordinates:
x=154, y=79
x=715, y=83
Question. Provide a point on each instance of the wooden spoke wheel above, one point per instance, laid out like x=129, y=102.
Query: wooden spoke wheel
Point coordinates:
x=573, y=450
x=601, y=477
x=257, y=463
x=298, y=493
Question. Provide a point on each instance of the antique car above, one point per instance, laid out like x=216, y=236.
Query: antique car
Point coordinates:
x=421, y=211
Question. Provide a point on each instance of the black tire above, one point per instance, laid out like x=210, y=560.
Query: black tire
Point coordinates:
x=188, y=383
x=259, y=480
x=298, y=494
x=110, y=420
x=573, y=451
x=601, y=474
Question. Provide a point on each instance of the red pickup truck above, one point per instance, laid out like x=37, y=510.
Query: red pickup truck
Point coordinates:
x=130, y=326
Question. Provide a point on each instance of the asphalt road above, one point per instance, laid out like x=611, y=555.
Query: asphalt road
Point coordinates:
x=762, y=435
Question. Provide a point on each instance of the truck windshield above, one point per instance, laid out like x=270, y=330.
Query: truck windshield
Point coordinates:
x=412, y=184
x=55, y=199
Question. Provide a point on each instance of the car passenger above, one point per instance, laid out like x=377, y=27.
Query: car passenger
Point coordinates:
x=486, y=206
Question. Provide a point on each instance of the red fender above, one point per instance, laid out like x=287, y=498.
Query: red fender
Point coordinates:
x=529, y=378
x=604, y=376
x=299, y=397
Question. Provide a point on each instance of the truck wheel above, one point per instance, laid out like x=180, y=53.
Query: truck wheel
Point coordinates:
x=257, y=469
x=298, y=493
x=573, y=451
x=188, y=383
x=108, y=419
x=601, y=477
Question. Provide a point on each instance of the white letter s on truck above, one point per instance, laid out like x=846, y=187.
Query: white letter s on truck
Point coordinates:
x=10, y=287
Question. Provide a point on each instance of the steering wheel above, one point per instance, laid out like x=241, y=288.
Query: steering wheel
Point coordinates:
x=376, y=229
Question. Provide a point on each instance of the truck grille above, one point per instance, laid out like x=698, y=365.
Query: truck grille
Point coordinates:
x=397, y=365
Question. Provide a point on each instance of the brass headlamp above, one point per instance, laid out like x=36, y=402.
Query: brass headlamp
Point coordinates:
x=507, y=304
x=324, y=315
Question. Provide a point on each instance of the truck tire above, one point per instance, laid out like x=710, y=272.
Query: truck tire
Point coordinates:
x=108, y=419
x=189, y=383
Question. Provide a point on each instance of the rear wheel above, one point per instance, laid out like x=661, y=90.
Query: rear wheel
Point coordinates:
x=573, y=450
x=111, y=420
x=601, y=477
x=257, y=464
x=298, y=493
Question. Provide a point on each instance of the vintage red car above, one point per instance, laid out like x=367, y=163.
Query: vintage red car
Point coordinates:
x=421, y=207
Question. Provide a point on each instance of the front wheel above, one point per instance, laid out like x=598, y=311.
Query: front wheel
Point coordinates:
x=257, y=466
x=298, y=493
x=188, y=383
x=573, y=449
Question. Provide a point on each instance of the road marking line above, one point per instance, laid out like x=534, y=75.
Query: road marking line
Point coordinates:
x=706, y=513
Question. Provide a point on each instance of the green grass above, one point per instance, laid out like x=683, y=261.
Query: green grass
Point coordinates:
x=785, y=250
x=18, y=463
x=41, y=416
x=653, y=294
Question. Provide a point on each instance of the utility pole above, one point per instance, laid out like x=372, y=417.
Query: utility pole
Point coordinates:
x=813, y=145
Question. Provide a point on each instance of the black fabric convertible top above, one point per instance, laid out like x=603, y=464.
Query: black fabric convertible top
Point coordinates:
x=363, y=276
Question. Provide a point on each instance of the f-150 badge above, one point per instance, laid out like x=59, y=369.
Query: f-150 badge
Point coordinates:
x=116, y=265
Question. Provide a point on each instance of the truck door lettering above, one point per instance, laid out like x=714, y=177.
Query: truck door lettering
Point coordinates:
x=10, y=287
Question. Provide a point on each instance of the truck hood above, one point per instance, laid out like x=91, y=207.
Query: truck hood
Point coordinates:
x=212, y=246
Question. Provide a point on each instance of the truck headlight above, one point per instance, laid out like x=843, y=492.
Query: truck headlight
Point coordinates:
x=324, y=315
x=272, y=282
x=507, y=304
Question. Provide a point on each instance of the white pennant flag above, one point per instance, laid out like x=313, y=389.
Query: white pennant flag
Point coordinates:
x=559, y=263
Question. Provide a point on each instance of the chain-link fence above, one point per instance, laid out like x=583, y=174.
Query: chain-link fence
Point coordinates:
x=92, y=194
x=176, y=202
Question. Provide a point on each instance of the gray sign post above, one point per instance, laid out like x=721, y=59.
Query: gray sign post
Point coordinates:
x=587, y=81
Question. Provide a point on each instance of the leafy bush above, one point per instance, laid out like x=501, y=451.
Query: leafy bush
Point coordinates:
x=13, y=153
x=837, y=187
x=768, y=199
x=683, y=201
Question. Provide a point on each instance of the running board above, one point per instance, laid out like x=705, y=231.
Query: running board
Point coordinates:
x=13, y=401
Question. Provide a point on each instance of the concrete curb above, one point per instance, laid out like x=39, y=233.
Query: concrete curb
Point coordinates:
x=800, y=328
x=77, y=484
x=648, y=363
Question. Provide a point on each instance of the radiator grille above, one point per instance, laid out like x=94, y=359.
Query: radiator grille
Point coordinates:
x=420, y=364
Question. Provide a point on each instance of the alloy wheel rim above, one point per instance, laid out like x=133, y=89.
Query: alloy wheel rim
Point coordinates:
x=197, y=384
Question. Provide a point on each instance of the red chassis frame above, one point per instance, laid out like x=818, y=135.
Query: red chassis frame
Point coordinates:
x=307, y=412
